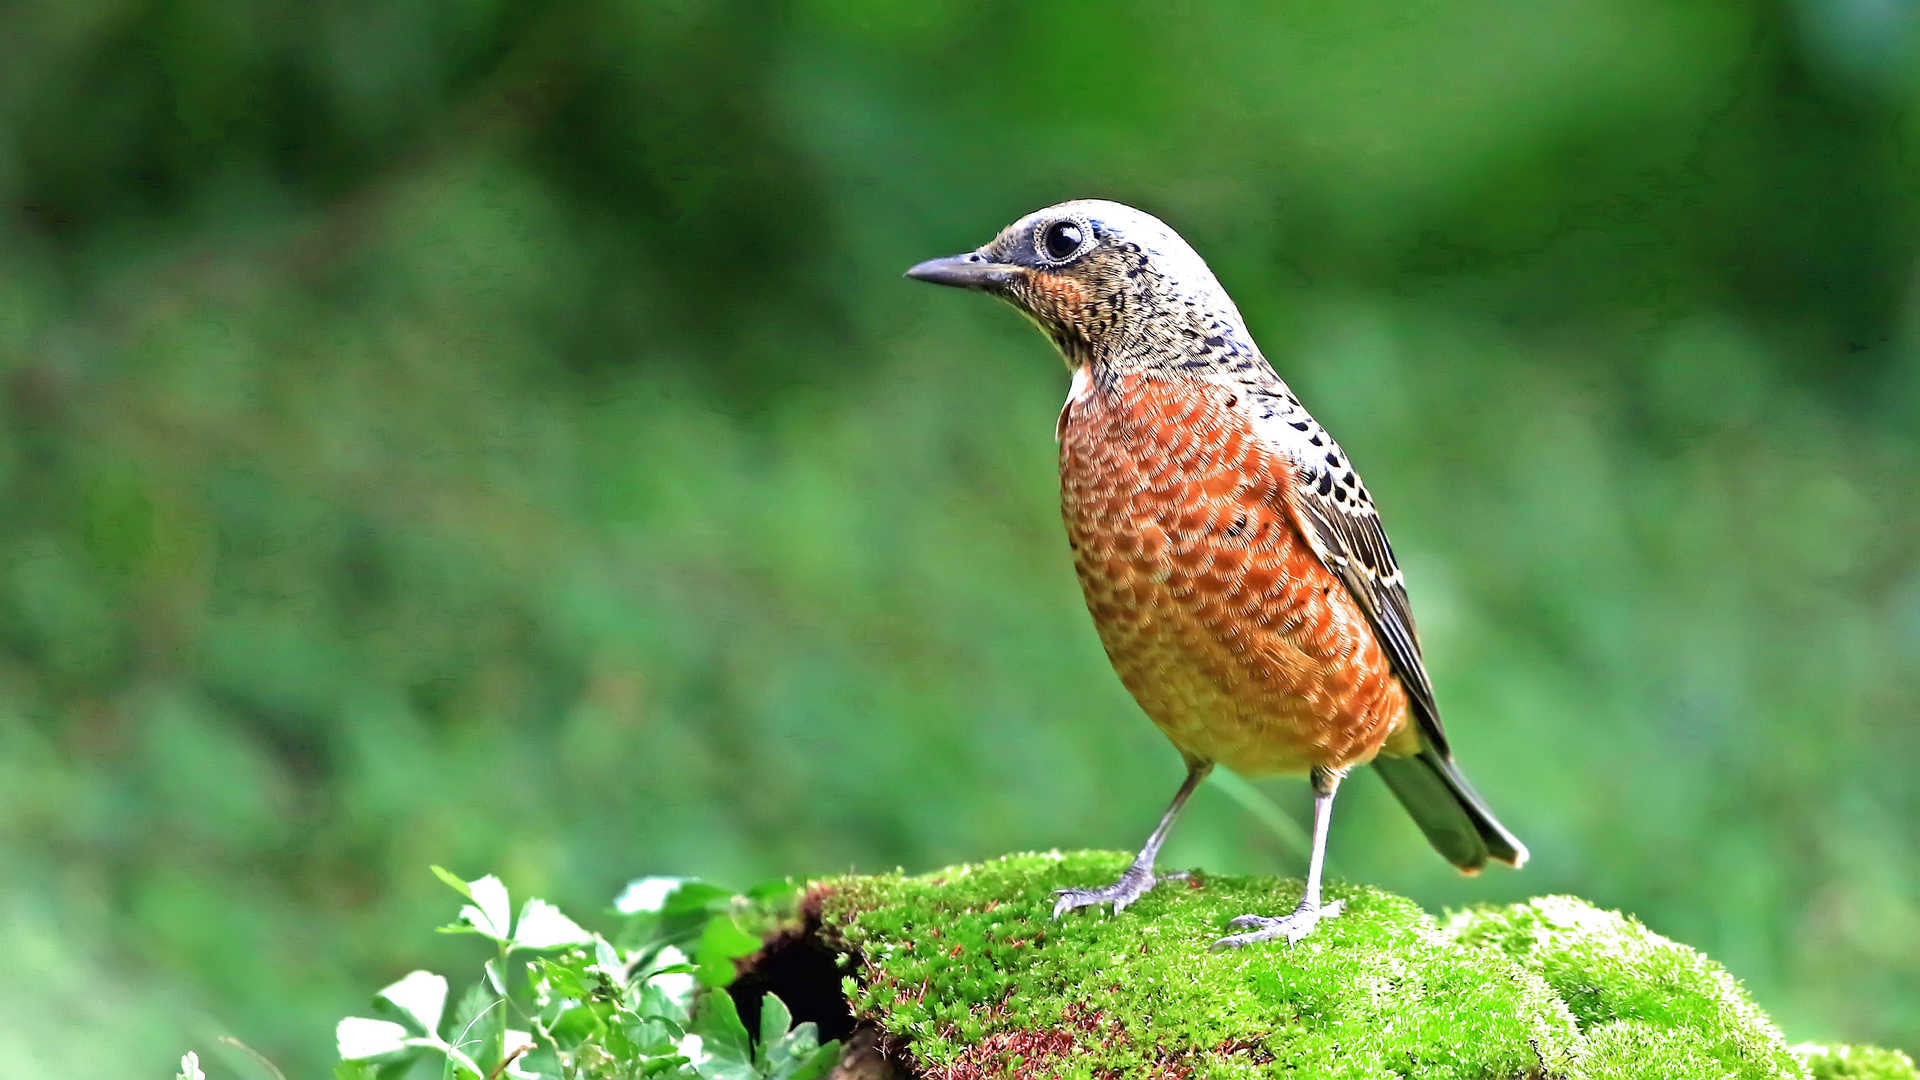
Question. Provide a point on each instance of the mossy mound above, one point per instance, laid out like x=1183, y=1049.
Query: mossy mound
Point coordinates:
x=1636, y=995
x=967, y=975
x=1862, y=1062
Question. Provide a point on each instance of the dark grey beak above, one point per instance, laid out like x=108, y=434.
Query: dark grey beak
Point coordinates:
x=970, y=271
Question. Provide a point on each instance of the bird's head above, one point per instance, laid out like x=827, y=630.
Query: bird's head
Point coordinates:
x=1108, y=283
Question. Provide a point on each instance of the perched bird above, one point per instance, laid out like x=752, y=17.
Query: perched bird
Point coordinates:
x=1231, y=557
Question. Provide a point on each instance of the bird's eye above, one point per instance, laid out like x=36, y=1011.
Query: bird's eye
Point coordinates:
x=1062, y=239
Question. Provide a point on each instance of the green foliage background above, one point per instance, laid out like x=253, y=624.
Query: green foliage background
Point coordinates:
x=497, y=435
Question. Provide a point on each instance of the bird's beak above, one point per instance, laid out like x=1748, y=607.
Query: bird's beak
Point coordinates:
x=970, y=271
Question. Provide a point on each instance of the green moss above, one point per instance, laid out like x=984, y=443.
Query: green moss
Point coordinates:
x=1862, y=1062
x=1648, y=1005
x=965, y=969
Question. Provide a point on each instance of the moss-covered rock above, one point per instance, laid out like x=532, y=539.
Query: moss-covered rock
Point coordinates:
x=966, y=974
x=1861, y=1062
x=1638, y=996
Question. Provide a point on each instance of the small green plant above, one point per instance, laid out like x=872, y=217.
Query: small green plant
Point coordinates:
x=558, y=1001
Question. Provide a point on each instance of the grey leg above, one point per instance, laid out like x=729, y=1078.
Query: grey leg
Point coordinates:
x=1139, y=877
x=1308, y=914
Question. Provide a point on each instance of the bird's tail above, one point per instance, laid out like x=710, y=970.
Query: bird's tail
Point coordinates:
x=1452, y=814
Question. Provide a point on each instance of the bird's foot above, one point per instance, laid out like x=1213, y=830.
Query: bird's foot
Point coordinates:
x=1133, y=884
x=1292, y=927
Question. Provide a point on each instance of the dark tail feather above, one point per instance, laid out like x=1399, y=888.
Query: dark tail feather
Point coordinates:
x=1454, y=817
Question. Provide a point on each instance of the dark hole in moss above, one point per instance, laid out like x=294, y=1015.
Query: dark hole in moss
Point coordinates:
x=803, y=971
x=799, y=967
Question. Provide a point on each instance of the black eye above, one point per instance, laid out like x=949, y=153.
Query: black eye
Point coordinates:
x=1062, y=239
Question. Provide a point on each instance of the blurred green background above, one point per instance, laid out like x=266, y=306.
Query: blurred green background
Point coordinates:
x=498, y=435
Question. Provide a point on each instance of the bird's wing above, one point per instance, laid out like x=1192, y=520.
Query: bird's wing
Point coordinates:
x=1336, y=515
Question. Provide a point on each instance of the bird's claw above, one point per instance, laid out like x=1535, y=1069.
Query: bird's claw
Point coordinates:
x=1133, y=884
x=1293, y=927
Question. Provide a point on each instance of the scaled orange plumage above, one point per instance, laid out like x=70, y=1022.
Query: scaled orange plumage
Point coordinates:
x=1218, y=616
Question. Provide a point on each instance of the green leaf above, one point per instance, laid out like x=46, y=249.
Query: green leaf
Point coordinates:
x=653, y=1036
x=474, y=1017
x=541, y=1064
x=768, y=892
x=722, y=1035
x=565, y=979
x=669, y=896
x=542, y=926
x=725, y=1069
x=420, y=996
x=796, y=1053
x=491, y=913
x=693, y=897
x=671, y=911
x=578, y=1023
x=606, y=959
x=775, y=1019
x=461, y=1067
x=721, y=943
x=817, y=1064
x=804, y=1039
x=647, y=894
x=360, y=1038
x=453, y=880
x=496, y=976
x=659, y=1001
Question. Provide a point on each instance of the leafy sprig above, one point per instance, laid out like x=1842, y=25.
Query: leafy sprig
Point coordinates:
x=556, y=1001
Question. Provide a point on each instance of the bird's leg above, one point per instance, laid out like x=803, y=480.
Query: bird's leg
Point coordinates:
x=1139, y=877
x=1301, y=922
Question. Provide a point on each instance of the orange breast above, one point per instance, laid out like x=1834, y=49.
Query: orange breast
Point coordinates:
x=1218, y=617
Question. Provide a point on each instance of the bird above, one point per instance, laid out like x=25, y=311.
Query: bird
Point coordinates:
x=1234, y=565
